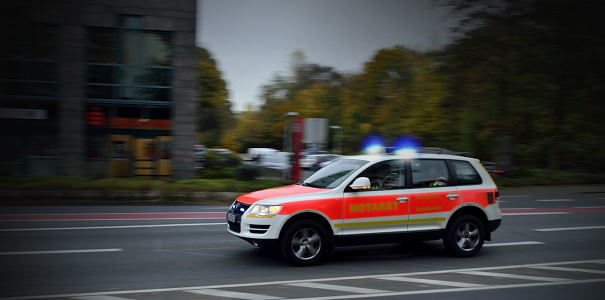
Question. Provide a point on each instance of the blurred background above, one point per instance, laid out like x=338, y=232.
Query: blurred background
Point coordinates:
x=103, y=88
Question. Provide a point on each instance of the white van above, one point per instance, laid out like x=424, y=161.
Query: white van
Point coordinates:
x=255, y=153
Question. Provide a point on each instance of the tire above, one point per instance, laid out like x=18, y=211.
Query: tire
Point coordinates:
x=464, y=236
x=304, y=243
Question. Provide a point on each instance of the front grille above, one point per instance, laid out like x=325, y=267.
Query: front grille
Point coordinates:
x=237, y=210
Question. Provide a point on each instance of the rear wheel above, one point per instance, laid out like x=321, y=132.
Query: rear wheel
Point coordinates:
x=304, y=243
x=464, y=236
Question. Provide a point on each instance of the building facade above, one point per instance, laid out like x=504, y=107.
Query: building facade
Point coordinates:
x=98, y=88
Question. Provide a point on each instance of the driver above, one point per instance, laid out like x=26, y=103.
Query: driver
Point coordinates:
x=383, y=178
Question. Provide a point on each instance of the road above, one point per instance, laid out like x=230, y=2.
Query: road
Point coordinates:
x=548, y=247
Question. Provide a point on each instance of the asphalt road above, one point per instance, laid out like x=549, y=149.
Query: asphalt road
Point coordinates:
x=548, y=247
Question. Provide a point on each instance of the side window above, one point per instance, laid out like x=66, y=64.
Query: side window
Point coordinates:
x=429, y=173
x=466, y=173
x=386, y=175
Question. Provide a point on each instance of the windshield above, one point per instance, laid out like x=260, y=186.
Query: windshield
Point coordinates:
x=333, y=174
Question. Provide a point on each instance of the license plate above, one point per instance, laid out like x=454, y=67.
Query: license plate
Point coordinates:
x=231, y=217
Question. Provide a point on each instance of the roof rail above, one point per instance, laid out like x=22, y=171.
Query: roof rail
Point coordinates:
x=437, y=150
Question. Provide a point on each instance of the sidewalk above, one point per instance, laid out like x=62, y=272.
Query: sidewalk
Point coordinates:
x=554, y=190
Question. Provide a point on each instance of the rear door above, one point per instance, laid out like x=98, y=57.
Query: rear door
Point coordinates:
x=432, y=196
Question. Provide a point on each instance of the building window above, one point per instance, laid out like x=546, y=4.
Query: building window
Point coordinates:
x=28, y=60
x=129, y=66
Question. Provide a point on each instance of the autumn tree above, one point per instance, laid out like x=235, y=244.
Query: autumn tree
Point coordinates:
x=215, y=116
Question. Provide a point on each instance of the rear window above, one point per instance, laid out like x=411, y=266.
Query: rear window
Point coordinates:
x=465, y=172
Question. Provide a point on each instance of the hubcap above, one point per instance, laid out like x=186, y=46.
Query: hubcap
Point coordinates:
x=467, y=237
x=306, y=244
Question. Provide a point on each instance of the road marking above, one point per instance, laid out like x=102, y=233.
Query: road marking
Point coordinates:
x=512, y=244
x=514, y=276
x=534, y=213
x=454, y=290
x=227, y=294
x=431, y=281
x=112, y=216
x=60, y=251
x=555, y=200
x=100, y=298
x=570, y=228
x=351, y=296
x=339, y=288
x=569, y=269
x=110, y=227
x=517, y=211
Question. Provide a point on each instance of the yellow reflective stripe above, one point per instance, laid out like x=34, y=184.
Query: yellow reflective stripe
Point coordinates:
x=382, y=223
x=427, y=220
x=377, y=223
x=260, y=217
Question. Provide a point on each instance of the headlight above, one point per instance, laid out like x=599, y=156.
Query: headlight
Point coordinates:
x=265, y=210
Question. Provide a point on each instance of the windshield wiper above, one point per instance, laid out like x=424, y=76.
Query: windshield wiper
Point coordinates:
x=311, y=185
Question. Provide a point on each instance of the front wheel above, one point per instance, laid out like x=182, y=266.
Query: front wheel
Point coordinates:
x=304, y=243
x=464, y=236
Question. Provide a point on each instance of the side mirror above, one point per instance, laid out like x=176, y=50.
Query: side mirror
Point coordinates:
x=361, y=183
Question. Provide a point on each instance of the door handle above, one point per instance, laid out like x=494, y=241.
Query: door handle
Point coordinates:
x=403, y=199
x=452, y=196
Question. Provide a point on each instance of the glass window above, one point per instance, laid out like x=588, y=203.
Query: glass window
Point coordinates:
x=386, y=175
x=100, y=74
x=157, y=77
x=165, y=150
x=118, y=149
x=100, y=92
x=102, y=46
x=130, y=48
x=132, y=75
x=429, y=173
x=333, y=174
x=157, y=48
x=130, y=21
x=140, y=64
x=466, y=173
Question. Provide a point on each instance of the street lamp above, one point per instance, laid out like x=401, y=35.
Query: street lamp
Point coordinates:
x=288, y=131
x=339, y=139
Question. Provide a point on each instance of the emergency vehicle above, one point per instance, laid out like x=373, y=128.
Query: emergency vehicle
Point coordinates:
x=371, y=199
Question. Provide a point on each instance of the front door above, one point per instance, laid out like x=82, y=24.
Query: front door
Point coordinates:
x=384, y=207
x=119, y=155
x=145, y=157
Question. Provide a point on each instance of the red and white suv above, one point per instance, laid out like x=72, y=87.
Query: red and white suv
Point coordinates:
x=373, y=199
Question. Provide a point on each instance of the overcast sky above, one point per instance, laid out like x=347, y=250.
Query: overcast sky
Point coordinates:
x=252, y=40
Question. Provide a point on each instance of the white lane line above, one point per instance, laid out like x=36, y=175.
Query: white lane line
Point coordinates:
x=361, y=277
x=227, y=294
x=100, y=298
x=512, y=244
x=569, y=269
x=555, y=200
x=515, y=276
x=431, y=281
x=60, y=251
x=340, y=288
x=110, y=227
x=583, y=207
x=570, y=228
x=535, y=213
x=454, y=290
